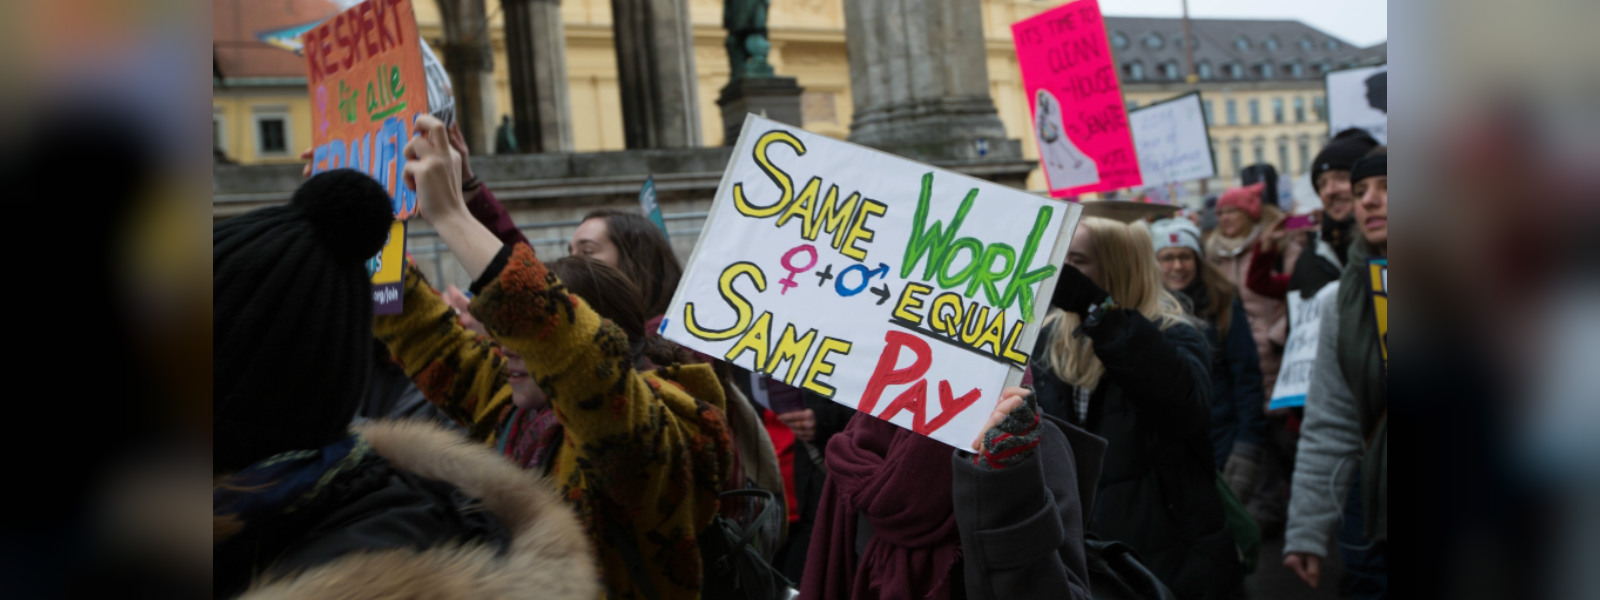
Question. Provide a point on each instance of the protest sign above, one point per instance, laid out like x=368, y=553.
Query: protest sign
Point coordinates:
x=1300, y=352
x=1079, y=120
x=1172, y=141
x=652, y=209
x=1359, y=98
x=901, y=290
x=1378, y=268
x=367, y=87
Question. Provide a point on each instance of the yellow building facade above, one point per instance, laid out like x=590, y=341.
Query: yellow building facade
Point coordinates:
x=808, y=43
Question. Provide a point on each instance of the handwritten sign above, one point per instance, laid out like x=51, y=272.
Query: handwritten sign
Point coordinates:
x=904, y=291
x=1378, y=268
x=1085, y=144
x=1172, y=141
x=367, y=87
x=1359, y=98
x=1300, y=352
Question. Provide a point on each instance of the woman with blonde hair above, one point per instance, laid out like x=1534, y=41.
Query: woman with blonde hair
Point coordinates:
x=1119, y=356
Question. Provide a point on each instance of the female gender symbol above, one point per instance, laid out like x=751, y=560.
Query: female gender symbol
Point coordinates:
x=788, y=264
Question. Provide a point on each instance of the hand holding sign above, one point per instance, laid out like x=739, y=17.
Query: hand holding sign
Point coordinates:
x=433, y=169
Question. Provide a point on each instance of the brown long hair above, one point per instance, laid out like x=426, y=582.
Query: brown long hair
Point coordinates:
x=614, y=296
x=1219, y=295
x=644, y=255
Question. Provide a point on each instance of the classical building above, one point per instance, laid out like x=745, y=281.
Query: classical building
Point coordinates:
x=1260, y=82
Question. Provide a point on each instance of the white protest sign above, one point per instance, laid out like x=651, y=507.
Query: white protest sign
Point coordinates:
x=1300, y=352
x=1359, y=98
x=1171, y=140
x=902, y=290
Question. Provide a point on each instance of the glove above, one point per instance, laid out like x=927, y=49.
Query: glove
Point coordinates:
x=1013, y=439
x=1075, y=292
x=1241, y=472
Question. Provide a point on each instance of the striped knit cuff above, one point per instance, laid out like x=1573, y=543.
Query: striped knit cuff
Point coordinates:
x=1013, y=440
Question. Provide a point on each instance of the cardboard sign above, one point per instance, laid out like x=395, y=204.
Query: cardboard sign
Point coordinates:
x=901, y=290
x=1300, y=351
x=1172, y=141
x=367, y=87
x=1359, y=98
x=1378, y=268
x=1079, y=121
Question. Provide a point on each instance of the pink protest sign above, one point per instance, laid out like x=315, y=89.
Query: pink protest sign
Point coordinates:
x=1079, y=121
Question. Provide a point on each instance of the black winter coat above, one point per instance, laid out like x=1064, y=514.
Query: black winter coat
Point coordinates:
x=1237, y=400
x=1157, y=490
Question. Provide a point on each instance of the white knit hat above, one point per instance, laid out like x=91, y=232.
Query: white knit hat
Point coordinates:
x=1167, y=233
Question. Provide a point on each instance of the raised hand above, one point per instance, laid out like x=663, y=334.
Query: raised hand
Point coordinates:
x=1012, y=432
x=433, y=170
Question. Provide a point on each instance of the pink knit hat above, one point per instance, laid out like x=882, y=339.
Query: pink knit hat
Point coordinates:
x=1247, y=199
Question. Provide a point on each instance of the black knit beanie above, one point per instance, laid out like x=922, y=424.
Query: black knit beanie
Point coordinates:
x=292, y=305
x=1341, y=153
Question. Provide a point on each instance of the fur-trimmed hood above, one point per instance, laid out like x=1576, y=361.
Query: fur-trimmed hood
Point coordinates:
x=549, y=557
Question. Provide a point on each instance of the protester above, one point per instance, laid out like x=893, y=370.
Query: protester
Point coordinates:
x=1240, y=214
x=1330, y=177
x=643, y=453
x=1346, y=420
x=632, y=243
x=1129, y=365
x=303, y=506
x=1023, y=501
x=1238, y=427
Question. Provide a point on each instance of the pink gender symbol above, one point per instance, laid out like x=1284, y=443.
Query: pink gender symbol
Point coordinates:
x=788, y=264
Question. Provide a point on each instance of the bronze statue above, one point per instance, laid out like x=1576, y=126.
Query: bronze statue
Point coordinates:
x=746, y=22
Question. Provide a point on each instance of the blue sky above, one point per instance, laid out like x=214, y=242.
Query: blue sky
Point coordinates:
x=1360, y=22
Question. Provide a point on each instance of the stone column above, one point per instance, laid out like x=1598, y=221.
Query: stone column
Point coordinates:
x=469, y=58
x=919, y=79
x=655, y=71
x=536, y=50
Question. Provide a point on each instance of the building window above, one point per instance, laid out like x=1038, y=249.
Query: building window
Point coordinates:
x=1283, y=155
x=1169, y=70
x=1132, y=104
x=1236, y=70
x=1233, y=112
x=1277, y=110
x=1154, y=42
x=1205, y=70
x=1271, y=44
x=1299, y=109
x=1306, y=44
x=1135, y=71
x=1295, y=70
x=1264, y=70
x=1320, y=105
x=1241, y=43
x=1255, y=111
x=1233, y=154
x=1332, y=45
x=272, y=131
x=1259, y=146
x=1323, y=68
x=1305, y=155
x=1119, y=41
x=1211, y=117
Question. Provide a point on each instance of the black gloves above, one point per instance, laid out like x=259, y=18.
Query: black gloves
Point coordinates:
x=1075, y=292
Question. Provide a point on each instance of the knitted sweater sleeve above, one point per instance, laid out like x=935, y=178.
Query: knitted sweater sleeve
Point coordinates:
x=456, y=369
x=644, y=453
x=1330, y=448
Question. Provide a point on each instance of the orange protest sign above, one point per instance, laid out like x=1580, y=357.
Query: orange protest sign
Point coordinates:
x=365, y=75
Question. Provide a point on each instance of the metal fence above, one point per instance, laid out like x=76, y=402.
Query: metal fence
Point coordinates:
x=549, y=240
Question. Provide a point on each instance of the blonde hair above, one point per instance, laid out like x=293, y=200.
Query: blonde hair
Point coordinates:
x=1128, y=265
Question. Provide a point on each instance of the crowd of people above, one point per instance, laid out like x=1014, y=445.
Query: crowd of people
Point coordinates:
x=532, y=436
